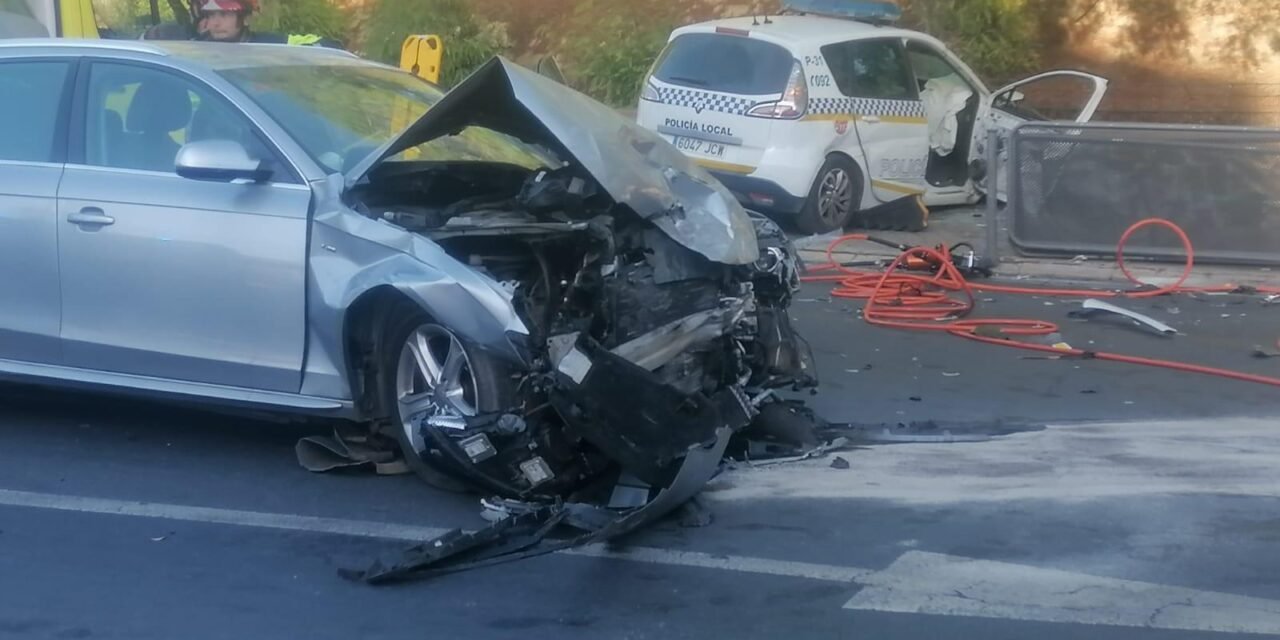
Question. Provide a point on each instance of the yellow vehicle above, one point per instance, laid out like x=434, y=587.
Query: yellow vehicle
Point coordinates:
x=78, y=19
x=422, y=55
x=48, y=18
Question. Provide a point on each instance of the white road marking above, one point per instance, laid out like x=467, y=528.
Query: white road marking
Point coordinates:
x=211, y=515
x=917, y=583
x=1070, y=463
x=930, y=583
x=389, y=531
x=741, y=564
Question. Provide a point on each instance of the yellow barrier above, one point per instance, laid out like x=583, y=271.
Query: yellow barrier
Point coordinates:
x=422, y=56
x=75, y=19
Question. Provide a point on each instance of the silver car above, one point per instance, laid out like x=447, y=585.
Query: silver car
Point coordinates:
x=522, y=287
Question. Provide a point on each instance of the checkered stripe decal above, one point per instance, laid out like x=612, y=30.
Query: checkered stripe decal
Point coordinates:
x=867, y=107
x=701, y=101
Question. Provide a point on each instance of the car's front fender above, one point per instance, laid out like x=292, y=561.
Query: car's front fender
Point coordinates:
x=351, y=255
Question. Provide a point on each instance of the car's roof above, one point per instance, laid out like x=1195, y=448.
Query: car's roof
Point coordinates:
x=805, y=29
x=212, y=55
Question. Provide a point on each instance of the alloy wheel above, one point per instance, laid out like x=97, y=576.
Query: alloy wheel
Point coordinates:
x=835, y=197
x=433, y=378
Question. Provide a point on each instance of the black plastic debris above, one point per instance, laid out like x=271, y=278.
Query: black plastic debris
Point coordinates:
x=525, y=532
x=839, y=463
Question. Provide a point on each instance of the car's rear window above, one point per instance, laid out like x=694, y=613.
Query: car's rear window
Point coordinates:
x=725, y=63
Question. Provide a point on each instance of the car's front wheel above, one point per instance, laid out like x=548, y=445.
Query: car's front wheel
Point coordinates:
x=429, y=372
x=834, y=198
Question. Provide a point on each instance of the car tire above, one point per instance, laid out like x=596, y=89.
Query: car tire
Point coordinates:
x=834, y=199
x=481, y=384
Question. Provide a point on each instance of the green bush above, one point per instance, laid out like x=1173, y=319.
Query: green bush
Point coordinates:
x=998, y=38
x=320, y=17
x=129, y=18
x=608, y=58
x=468, y=41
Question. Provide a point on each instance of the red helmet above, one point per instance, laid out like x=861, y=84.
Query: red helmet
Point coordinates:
x=245, y=7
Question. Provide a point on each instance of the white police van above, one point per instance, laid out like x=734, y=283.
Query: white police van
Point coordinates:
x=826, y=110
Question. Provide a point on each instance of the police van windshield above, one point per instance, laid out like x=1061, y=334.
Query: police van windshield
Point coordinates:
x=725, y=63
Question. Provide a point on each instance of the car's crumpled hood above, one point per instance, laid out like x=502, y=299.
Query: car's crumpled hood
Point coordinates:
x=635, y=166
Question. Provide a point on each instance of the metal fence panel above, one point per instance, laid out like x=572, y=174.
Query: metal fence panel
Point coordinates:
x=1075, y=188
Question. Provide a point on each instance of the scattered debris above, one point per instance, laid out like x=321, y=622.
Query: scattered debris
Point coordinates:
x=523, y=532
x=916, y=399
x=349, y=450
x=1260, y=352
x=931, y=431
x=695, y=515
x=902, y=214
x=1093, y=306
x=783, y=428
x=946, y=437
x=949, y=374
x=1079, y=259
x=839, y=463
x=838, y=444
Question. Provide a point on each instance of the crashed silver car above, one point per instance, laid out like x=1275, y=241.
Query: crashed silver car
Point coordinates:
x=528, y=291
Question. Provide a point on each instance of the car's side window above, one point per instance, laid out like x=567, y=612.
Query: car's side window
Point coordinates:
x=139, y=117
x=871, y=69
x=32, y=94
x=927, y=64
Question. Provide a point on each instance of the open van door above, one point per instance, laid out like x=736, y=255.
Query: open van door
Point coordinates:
x=1072, y=96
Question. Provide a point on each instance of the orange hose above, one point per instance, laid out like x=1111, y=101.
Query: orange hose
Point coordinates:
x=930, y=303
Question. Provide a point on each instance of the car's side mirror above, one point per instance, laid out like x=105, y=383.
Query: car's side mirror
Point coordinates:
x=220, y=161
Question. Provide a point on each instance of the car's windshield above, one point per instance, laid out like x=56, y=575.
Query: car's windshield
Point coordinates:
x=341, y=113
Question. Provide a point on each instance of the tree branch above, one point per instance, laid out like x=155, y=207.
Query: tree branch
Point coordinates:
x=1092, y=7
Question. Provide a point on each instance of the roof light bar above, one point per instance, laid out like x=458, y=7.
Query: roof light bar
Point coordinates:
x=860, y=10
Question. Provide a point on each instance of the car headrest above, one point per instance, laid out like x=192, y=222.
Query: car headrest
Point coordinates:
x=160, y=105
x=112, y=122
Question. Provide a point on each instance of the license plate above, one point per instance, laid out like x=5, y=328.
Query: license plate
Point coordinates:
x=700, y=147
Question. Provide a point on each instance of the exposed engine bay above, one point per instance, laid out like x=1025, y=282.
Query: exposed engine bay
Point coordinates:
x=640, y=347
x=624, y=318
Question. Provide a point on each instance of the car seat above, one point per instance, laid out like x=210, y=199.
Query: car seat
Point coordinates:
x=159, y=107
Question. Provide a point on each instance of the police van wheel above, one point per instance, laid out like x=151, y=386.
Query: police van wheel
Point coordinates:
x=834, y=198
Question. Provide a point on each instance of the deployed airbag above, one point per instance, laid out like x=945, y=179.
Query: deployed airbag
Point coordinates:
x=944, y=98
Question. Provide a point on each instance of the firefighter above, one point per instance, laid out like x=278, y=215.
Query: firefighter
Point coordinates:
x=228, y=21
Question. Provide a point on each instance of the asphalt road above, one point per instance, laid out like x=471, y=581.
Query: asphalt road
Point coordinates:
x=128, y=520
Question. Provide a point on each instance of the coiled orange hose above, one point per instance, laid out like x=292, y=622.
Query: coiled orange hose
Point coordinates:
x=942, y=301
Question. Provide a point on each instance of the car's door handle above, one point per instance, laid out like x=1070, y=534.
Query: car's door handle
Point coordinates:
x=90, y=216
x=871, y=119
